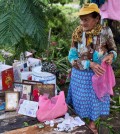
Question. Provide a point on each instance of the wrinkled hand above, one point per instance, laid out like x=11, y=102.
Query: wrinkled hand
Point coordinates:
x=108, y=59
x=98, y=70
x=74, y=64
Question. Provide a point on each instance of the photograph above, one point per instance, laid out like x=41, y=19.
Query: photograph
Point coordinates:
x=42, y=89
x=26, y=92
x=35, y=92
x=11, y=100
x=25, y=89
x=18, y=87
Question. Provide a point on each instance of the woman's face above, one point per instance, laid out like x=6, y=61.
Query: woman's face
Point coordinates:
x=88, y=22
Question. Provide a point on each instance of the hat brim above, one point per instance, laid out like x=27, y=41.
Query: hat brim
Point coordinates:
x=84, y=13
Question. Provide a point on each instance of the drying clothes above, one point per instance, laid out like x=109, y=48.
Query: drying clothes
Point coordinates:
x=98, y=2
x=110, y=10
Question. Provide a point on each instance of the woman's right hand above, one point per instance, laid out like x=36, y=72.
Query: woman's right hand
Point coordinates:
x=98, y=70
x=74, y=64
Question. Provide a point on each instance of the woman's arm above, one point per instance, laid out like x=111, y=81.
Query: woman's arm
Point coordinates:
x=112, y=49
x=77, y=62
x=73, y=55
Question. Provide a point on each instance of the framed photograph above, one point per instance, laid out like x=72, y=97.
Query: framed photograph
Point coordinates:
x=35, y=92
x=26, y=92
x=18, y=87
x=11, y=99
x=48, y=89
x=31, y=82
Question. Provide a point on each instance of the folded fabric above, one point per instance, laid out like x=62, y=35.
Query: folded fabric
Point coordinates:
x=110, y=10
x=104, y=84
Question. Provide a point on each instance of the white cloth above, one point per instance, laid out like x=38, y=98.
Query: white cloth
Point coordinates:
x=69, y=123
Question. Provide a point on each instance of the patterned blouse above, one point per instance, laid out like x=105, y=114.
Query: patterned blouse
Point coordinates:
x=101, y=45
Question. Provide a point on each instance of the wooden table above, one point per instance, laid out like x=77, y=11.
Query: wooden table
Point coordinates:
x=48, y=130
x=11, y=123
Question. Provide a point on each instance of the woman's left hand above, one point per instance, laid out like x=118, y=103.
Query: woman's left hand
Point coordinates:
x=108, y=59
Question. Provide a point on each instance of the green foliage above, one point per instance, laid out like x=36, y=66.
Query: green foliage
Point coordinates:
x=84, y=1
x=56, y=55
x=1, y=58
x=25, y=124
x=23, y=18
x=60, y=1
x=70, y=13
x=24, y=25
x=62, y=64
x=60, y=41
x=115, y=102
x=57, y=21
x=105, y=125
x=116, y=65
x=62, y=26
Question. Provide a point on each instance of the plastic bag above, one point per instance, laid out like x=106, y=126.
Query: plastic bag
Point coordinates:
x=51, y=108
x=104, y=84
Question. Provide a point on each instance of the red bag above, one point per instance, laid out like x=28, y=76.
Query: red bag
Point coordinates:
x=51, y=108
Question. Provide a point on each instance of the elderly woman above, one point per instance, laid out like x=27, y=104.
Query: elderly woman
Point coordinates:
x=91, y=44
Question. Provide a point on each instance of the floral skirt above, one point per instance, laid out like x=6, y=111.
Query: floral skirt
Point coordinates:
x=83, y=98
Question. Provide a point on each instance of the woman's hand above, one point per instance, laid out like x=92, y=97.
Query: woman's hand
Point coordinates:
x=108, y=59
x=98, y=70
x=74, y=64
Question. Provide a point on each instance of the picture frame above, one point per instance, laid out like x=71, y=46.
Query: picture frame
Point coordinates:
x=25, y=89
x=26, y=92
x=17, y=87
x=30, y=82
x=11, y=100
x=48, y=89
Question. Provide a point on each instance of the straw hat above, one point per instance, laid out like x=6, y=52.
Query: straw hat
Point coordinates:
x=88, y=8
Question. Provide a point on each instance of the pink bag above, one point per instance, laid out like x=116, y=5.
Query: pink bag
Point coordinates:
x=104, y=84
x=51, y=108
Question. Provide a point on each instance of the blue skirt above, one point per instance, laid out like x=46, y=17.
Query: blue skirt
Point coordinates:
x=83, y=98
